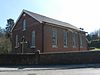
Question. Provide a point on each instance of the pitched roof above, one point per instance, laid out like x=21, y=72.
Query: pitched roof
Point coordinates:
x=42, y=18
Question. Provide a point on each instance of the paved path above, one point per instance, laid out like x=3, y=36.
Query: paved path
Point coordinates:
x=62, y=70
x=84, y=71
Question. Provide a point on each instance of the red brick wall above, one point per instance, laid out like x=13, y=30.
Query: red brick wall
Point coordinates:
x=32, y=24
x=60, y=48
x=86, y=57
x=45, y=46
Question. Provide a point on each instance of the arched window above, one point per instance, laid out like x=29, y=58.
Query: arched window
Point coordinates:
x=17, y=43
x=24, y=24
x=81, y=40
x=33, y=42
x=74, y=39
x=54, y=38
x=65, y=39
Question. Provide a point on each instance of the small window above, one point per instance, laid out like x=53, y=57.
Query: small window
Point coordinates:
x=17, y=43
x=65, y=38
x=54, y=38
x=24, y=24
x=33, y=40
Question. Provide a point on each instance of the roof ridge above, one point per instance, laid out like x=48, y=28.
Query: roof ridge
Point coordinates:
x=42, y=18
x=50, y=20
x=45, y=16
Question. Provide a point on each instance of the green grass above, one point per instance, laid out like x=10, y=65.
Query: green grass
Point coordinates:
x=96, y=49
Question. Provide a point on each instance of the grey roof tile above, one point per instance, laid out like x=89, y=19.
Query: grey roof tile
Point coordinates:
x=42, y=18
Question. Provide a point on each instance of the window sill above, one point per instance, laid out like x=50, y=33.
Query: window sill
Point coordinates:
x=16, y=46
x=32, y=47
x=65, y=46
x=74, y=46
x=23, y=29
x=54, y=46
x=81, y=46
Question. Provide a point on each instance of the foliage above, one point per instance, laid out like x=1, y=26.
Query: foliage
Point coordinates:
x=5, y=37
x=5, y=45
x=10, y=24
x=95, y=43
x=94, y=39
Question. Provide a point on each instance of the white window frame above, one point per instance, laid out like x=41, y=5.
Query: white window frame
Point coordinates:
x=17, y=43
x=81, y=40
x=33, y=41
x=65, y=39
x=24, y=24
x=74, y=39
x=54, y=38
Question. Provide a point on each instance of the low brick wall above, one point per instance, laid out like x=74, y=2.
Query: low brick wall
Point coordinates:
x=51, y=58
x=71, y=58
x=17, y=59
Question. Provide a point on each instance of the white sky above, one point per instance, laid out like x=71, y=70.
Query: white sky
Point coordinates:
x=80, y=13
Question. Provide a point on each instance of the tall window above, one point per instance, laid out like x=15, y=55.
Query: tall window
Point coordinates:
x=16, y=38
x=74, y=39
x=33, y=39
x=24, y=24
x=81, y=41
x=65, y=39
x=54, y=38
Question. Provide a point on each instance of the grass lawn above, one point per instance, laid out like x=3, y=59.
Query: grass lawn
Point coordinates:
x=96, y=49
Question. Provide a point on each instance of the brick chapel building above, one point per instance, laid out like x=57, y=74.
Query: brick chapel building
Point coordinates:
x=36, y=32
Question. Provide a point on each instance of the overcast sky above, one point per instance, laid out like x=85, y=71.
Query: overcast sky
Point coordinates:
x=80, y=13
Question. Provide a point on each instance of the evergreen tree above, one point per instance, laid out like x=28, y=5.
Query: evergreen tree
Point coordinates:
x=9, y=26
